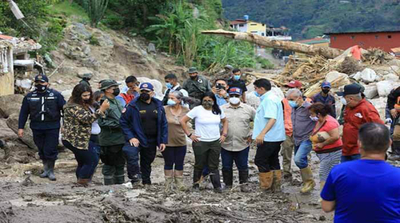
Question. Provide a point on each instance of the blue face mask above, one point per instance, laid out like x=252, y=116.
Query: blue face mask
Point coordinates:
x=257, y=94
x=169, y=85
x=293, y=104
x=171, y=102
x=236, y=77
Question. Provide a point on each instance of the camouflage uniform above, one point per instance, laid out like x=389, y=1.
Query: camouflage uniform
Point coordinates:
x=197, y=88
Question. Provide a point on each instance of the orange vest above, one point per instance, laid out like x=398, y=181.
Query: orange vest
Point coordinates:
x=287, y=115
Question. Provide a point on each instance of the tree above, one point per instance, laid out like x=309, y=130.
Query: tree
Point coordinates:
x=96, y=10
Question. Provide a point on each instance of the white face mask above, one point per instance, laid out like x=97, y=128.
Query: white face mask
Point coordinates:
x=315, y=119
x=234, y=101
x=344, y=102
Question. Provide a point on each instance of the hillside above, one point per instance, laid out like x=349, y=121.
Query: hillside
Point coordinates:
x=308, y=18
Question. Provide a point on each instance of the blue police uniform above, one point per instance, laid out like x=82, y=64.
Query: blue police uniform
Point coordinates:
x=44, y=110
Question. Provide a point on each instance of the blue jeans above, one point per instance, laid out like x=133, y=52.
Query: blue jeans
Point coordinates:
x=241, y=159
x=86, y=159
x=350, y=158
x=301, y=152
x=95, y=147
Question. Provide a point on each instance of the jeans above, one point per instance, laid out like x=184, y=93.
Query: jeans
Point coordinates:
x=301, y=152
x=94, y=145
x=206, y=153
x=350, y=158
x=86, y=159
x=147, y=156
x=267, y=156
x=47, y=141
x=174, y=156
x=241, y=159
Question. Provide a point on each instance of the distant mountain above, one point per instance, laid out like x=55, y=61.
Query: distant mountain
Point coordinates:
x=309, y=18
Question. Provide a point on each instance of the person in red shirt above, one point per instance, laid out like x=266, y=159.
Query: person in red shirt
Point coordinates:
x=358, y=111
x=356, y=52
x=131, y=91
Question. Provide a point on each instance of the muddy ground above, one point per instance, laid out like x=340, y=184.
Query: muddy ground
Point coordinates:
x=24, y=197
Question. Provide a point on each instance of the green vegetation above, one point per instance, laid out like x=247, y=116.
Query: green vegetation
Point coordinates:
x=96, y=10
x=309, y=18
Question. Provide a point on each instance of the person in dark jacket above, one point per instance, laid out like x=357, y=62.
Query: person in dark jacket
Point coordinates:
x=393, y=106
x=111, y=138
x=145, y=127
x=172, y=85
x=44, y=107
x=325, y=98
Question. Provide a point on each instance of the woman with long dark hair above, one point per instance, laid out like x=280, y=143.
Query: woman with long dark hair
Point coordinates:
x=207, y=138
x=78, y=120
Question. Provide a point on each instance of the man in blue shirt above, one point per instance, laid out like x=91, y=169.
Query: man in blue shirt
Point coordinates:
x=325, y=98
x=221, y=87
x=269, y=133
x=365, y=190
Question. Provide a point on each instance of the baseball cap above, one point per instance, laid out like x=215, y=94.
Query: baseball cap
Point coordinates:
x=350, y=89
x=294, y=84
x=105, y=84
x=235, y=90
x=41, y=78
x=146, y=86
x=326, y=84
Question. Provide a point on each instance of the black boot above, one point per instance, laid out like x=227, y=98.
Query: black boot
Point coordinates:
x=227, y=176
x=51, y=164
x=395, y=151
x=243, y=178
x=45, y=169
x=216, y=181
x=196, y=179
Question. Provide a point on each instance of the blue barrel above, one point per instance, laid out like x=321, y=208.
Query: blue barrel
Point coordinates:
x=246, y=17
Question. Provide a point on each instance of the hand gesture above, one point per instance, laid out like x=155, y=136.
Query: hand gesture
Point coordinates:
x=194, y=138
x=104, y=106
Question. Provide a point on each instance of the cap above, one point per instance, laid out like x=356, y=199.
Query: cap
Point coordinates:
x=105, y=84
x=192, y=70
x=294, y=84
x=350, y=89
x=235, y=90
x=326, y=84
x=41, y=78
x=87, y=75
x=228, y=67
x=146, y=86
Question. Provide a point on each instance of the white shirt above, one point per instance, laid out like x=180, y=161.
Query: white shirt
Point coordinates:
x=95, y=125
x=207, y=123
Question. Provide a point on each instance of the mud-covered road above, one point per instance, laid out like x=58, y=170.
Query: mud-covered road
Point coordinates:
x=24, y=197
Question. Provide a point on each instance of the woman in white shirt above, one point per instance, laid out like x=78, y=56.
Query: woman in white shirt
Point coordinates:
x=207, y=138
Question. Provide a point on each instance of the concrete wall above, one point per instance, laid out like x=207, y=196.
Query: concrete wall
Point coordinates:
x=7, y=79
x=385, y=40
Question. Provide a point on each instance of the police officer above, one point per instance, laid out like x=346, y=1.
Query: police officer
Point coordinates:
x=196, y=86
x=44, y=108
x=111, y=138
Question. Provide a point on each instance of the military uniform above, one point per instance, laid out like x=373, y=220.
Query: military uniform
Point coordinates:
x=111, y=140
x=44, y=109
x=197, y=88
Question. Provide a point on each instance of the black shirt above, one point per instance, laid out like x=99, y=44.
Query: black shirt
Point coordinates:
x=239, y=84
x=148, y=117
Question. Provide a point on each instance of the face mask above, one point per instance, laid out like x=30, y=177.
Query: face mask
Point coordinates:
x=193, y=77
x=144, y=97
x=344, y=102
x=293, y=104
x=40, y=87
x=257, y=94
x=86, y=101
x=169, y=85
x=315, y=119
x=326, y=91
x=116, y=92
x=208, y=104
x=171, y=102
x=236, y=77
x=234, y=101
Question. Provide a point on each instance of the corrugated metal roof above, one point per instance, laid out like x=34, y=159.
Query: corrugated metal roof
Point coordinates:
x=362, y=32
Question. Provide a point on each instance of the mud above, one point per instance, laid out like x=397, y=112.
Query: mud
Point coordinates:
x=24, y=197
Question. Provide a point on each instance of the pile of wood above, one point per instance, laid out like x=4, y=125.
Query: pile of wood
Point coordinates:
x=376, y=56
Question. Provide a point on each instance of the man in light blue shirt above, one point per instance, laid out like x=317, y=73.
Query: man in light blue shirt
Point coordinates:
x=269, y=133
x=221, y=87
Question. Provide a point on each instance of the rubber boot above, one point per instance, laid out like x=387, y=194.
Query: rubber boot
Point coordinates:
x=308, y=181
x=108, y=174
x=266, y=180
x=179, y=183
x=277, y=179
x=168, y=184
x=51, y=164
x=395, y=155
x=196, y=179
x=321, y=186
x=243, y=178
x=227, y=176
x=216, y=181
x=45, y=169
x=119, y=177
x=108, y=180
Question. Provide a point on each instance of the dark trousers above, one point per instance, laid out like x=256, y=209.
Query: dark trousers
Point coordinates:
x=350, y=158
x=174, y=156
x=147, y=156
x=267, y=156
x=87, y=160
x=241, y=159
x=114, y=164
x=47, y=141
x=206, y=154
